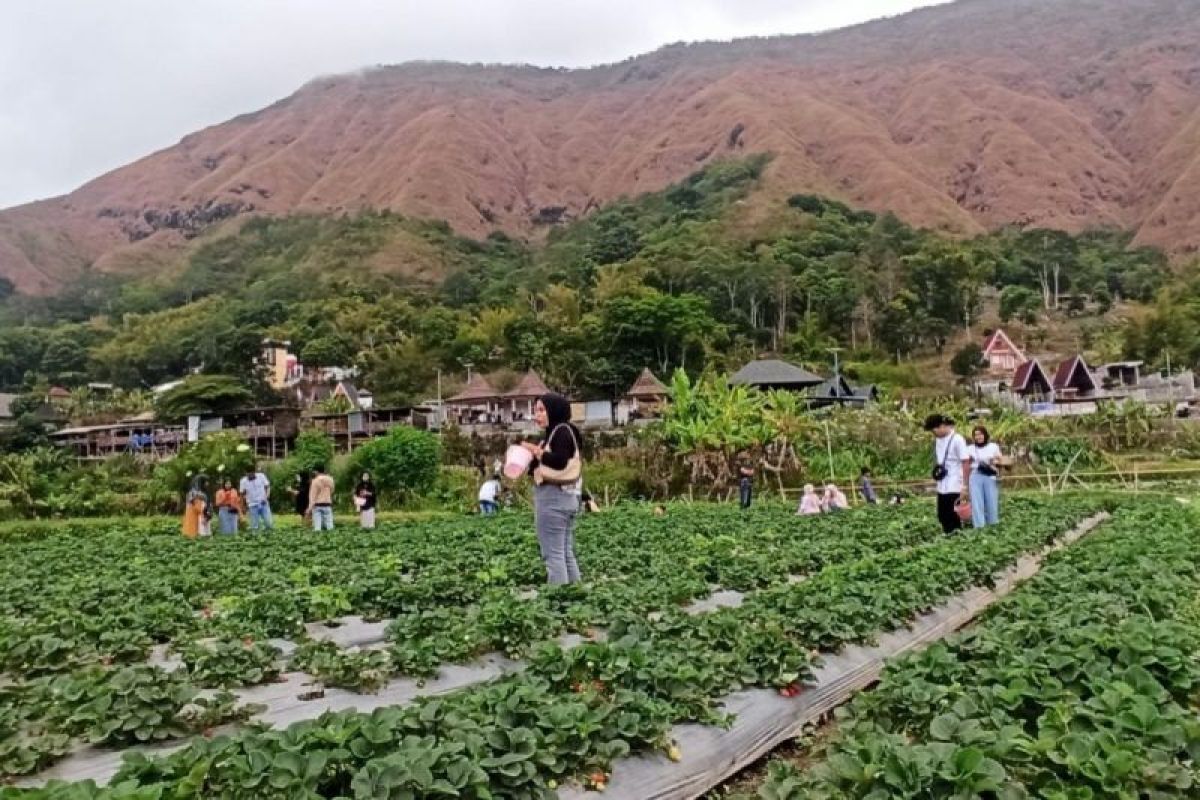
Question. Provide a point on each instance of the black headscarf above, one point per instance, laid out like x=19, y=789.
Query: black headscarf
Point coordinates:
x=558, y=412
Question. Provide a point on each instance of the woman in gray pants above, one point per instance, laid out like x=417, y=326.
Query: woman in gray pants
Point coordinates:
x=555, y=505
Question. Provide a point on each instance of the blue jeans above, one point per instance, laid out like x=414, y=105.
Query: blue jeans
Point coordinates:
x=261, y=514
x=487, y=507
x=554, y=511
x=229, y=520
x=985, y=500
x=322, y=518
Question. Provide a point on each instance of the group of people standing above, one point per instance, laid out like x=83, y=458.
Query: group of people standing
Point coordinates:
x=967, y=478
x=249, y=500
x=313, y=498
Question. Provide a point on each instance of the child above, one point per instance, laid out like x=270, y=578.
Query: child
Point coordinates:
x=867, y=487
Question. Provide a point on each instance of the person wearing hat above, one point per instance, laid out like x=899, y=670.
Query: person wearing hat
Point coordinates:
x=951, y=469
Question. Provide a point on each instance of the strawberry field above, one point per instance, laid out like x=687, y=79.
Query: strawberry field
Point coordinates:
x=1084, y=684
x=220, y=668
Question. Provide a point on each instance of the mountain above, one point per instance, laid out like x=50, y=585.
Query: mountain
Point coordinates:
x=962, y=117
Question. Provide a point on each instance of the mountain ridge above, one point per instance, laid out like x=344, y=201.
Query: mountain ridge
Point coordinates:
x=961, y=117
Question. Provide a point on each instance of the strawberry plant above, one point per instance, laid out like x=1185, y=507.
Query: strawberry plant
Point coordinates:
x=453, y=591
x=1082, y=684
x=225, y=664
x=359, y=670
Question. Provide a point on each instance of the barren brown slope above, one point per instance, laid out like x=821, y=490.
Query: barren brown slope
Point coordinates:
x=968, y=116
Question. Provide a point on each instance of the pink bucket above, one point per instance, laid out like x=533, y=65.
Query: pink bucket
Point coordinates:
x=516, y=462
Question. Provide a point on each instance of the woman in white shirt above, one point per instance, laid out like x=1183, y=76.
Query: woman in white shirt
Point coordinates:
x=985, y=478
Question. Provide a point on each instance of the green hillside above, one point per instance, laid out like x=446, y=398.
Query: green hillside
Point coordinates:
x=679, y=278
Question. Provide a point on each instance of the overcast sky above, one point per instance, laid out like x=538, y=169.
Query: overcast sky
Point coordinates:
x=86, y=86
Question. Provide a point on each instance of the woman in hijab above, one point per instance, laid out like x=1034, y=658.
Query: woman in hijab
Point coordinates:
x=197, y=511
x=557, y=471
x=300, y=494
x=364, y=500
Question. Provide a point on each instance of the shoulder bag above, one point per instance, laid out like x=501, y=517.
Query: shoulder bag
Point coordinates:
x=569, y=474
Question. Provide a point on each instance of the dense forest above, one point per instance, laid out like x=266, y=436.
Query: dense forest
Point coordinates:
x=687, y=277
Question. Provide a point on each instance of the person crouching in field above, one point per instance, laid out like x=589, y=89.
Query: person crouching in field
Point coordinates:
x=810, y=502
x=834, y=499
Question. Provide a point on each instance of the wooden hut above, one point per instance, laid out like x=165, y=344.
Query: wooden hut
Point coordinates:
x=646, y=397
x=1001, y=354
x=1031, y=383
x=521, y=400
x=1073, y=382
x=771, y=373
x=477, y=402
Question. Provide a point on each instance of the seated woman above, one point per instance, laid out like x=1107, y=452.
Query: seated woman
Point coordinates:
x=810, y=503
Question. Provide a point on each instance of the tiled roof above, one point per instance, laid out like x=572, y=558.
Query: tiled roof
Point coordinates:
x=477, y=388
x=530, y=385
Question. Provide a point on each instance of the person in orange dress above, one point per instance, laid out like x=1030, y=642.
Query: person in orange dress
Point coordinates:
x=196, y=510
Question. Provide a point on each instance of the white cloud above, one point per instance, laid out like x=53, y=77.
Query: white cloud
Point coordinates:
x=89, y=86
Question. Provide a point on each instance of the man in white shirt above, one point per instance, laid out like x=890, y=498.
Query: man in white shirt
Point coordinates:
x=488, y=495
x=951, y=470
x=256, y=494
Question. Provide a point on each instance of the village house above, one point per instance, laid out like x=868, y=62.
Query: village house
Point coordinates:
x=1002, y=356
x=519, y=402
x=769, y=373
x=477, y=403
x=1032, y=384
x=7, y=416
x=837, y=391
x=644, y=400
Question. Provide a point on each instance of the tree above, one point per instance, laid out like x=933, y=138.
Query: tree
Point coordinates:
x=1019, y=303
x=405, y=461
x=65, y=358
x=653, y=328
x=968, y=361
x=313, y=449
x=199, y=394
x=327, y=351
x=616, y=239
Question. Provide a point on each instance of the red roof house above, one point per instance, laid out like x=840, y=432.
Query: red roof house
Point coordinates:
x=1073, y=381
x=1002, y=355
x=1031, y=382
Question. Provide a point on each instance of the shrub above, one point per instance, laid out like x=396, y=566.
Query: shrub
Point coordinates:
x=313, y=449
x=217, y=456
x=402, y=463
